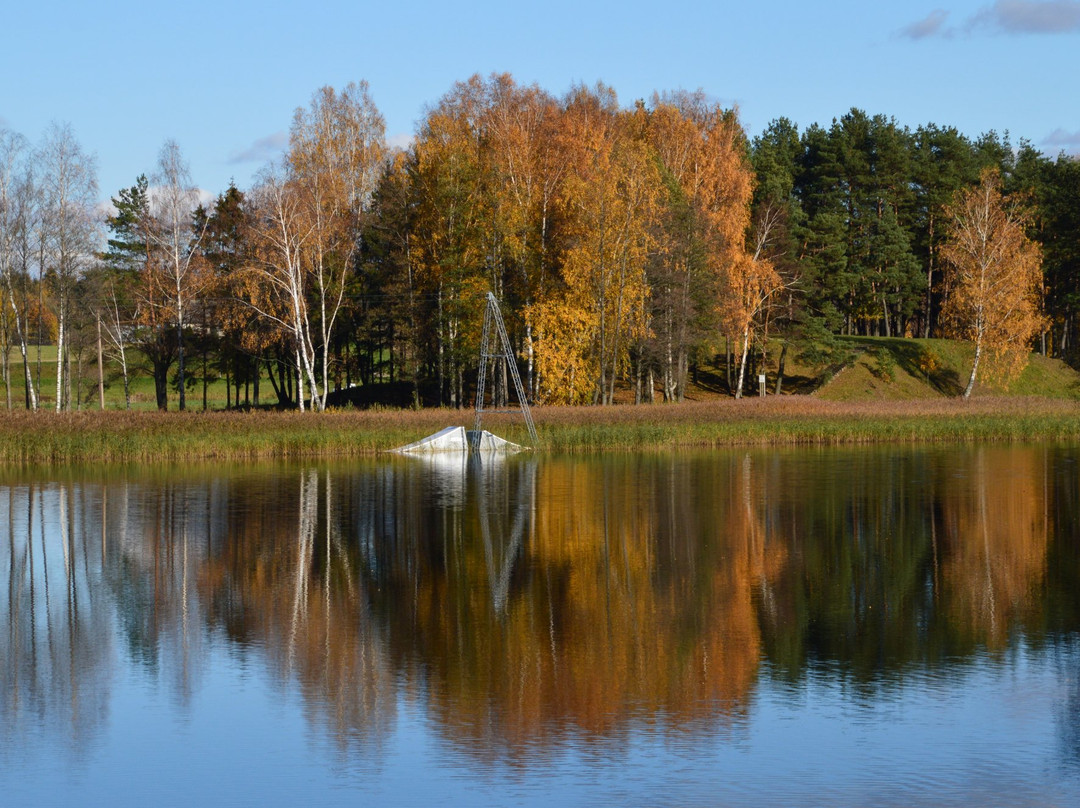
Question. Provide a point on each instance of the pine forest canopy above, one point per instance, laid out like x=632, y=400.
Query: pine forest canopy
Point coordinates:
x=626, y=245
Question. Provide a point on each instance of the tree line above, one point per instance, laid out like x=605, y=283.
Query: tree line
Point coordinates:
x=626, y=245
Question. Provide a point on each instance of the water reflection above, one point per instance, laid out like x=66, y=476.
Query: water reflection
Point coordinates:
x=528, y=605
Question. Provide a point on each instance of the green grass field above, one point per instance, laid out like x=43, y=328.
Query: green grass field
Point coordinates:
x=908, y=369
x=894, y=369
x=140, y=380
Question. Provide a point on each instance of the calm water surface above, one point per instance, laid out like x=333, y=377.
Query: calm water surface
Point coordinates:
x=873, y=627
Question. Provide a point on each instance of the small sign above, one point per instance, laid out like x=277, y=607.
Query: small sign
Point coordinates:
x=761, y=384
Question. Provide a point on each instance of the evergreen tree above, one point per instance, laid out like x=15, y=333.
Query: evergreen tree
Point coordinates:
x=139, y=297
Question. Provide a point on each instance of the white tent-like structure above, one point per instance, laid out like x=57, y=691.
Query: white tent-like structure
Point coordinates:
x=495, y=348
x=458, y=439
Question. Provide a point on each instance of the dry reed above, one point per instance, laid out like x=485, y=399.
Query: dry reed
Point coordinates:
x=92, y=436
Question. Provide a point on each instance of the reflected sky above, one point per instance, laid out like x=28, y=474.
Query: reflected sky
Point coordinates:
x=880, y=626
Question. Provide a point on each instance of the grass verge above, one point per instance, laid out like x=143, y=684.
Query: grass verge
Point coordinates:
x=120, y=437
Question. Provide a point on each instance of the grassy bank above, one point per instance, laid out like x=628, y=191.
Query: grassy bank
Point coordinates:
x=87, y=437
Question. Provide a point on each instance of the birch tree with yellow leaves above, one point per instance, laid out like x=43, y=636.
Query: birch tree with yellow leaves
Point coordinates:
x=449, y=239
x=525, y=171
x=610, y=205
x=704, y=269
x=994, y=276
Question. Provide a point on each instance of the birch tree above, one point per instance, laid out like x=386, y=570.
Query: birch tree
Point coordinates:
x=174, y=199
x=69, y=188
x=452, y=219
x=610, y=202
x=994, y=276
x=525, y=171
x=16, y=195
x=336, y=152
x=281, y=235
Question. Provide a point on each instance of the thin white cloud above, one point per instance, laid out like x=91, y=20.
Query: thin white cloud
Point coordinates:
x=933, y=24
x=1030, y=17
x=1063, y=140
x=201, y=196
x=1003, y=17
x=402, y=140
x=262, y=150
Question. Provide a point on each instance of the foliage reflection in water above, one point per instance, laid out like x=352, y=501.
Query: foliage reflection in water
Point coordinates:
x=749, y=627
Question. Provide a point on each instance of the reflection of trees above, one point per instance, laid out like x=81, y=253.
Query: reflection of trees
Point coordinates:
x=524, y=601
x=156, y=539
x=903, y=557
x=994, y=540
x=55, y=655
x=286, y=580
x=632, y=595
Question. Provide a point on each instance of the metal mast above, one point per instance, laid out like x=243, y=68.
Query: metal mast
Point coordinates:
x=493, y=348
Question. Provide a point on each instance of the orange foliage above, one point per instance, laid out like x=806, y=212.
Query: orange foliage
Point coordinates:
x=994, y=276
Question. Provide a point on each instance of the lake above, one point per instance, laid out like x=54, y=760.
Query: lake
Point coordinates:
x=878, y=626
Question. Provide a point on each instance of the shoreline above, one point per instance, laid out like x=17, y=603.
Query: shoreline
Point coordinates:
x=49, y=438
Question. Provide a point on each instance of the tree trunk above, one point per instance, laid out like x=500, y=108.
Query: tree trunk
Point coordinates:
x=100, y=367
x=780, y=370
x=974, y=366
x=727, y=360
x=742, y=362
x=60, y=328
x=180, y=350
x=30, y=393
x=161, y=384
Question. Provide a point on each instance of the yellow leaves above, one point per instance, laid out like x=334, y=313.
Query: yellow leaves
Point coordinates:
x=551, y=204
x=612, y=206
x=749, y=283
x=567, y=364
x=994, y=276
x=337, y=147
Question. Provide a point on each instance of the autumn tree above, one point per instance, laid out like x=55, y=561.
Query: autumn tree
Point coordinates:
x=136, y=287
x=278, y=291
x=994, y=274
x=336, y=153
x=610, y=205
x=746, y=280
x=306, y=218
x=681, y=288
x=524, y=168
x=450, y=230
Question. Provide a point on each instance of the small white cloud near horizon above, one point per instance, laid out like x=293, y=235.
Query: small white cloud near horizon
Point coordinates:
x=262, y=150
x=1064, y=140
x=106, y=208
x=401, y=140
x=933, y=24
x=1003, y=17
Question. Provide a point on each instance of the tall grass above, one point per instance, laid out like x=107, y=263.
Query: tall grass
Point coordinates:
x=122, y=437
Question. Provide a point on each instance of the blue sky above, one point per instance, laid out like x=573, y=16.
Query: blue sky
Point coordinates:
x=223, y=78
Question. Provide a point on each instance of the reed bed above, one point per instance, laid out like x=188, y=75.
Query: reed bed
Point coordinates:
x=122, y=437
